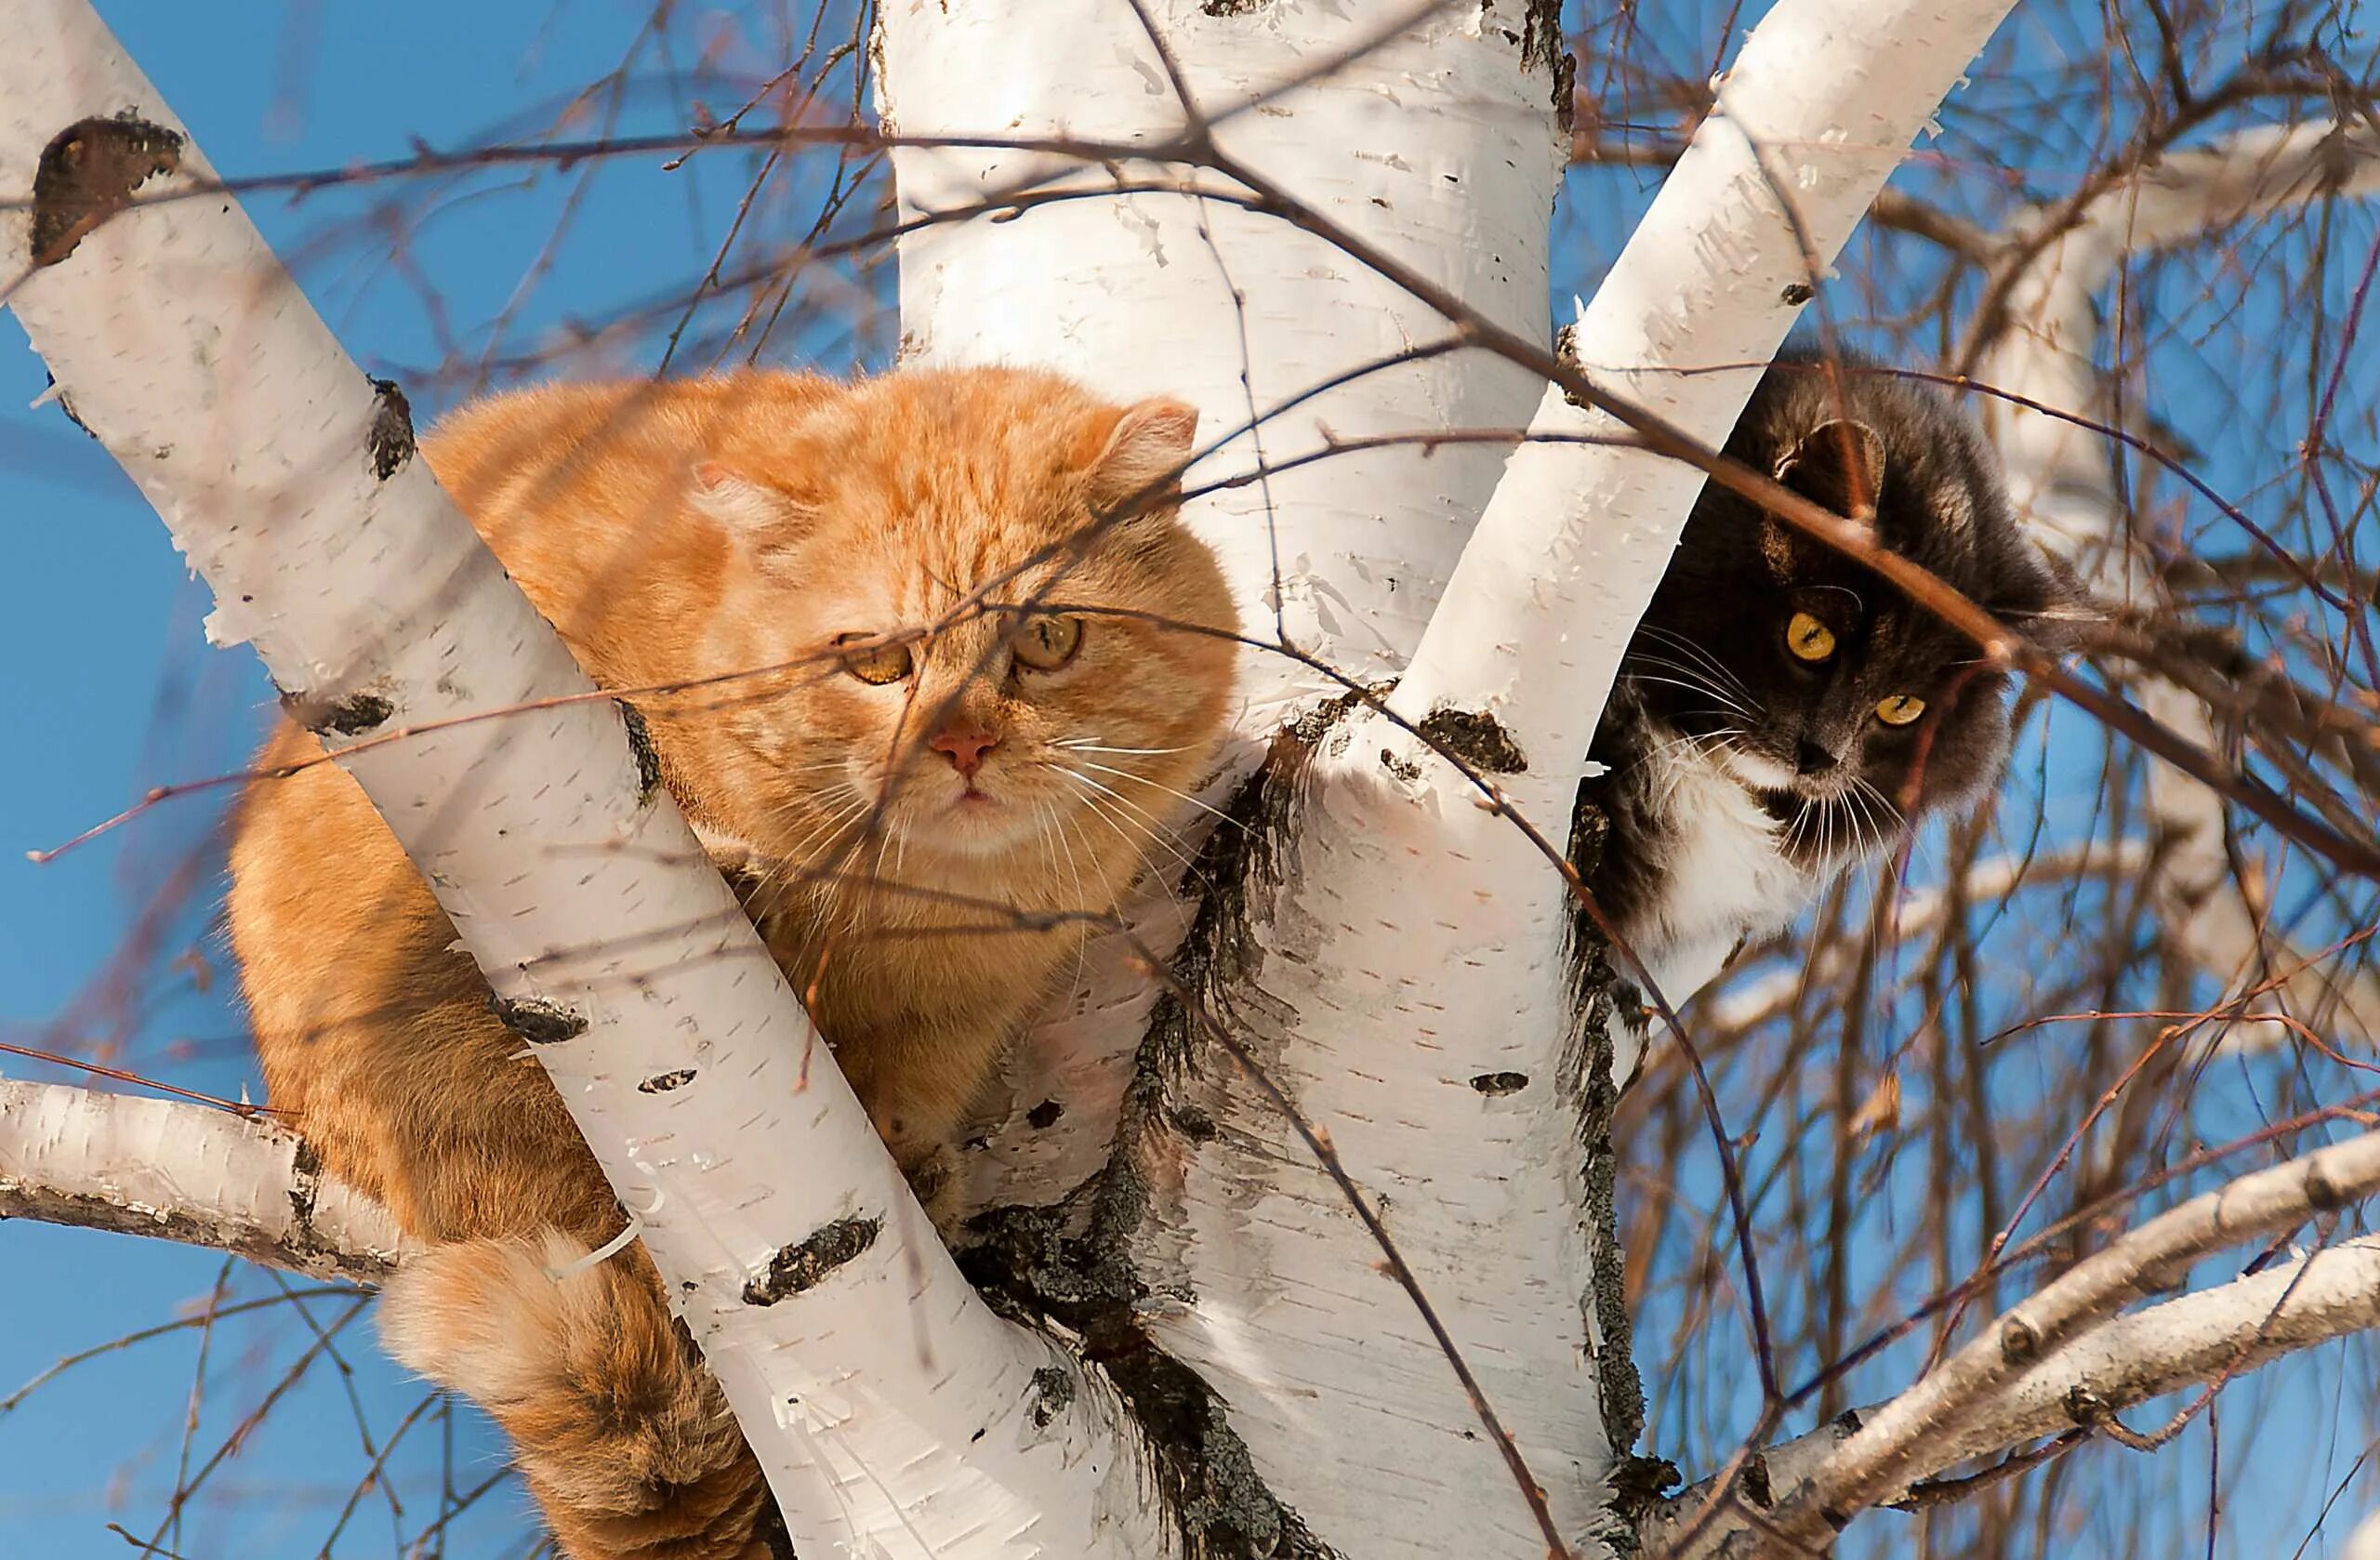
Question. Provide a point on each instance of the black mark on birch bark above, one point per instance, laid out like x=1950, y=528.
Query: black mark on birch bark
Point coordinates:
x=306, y=1175
x=536, y=1019
x=648, y=757
x=1495, y=1084
x=88, y=173
x=662, y=1083
x=1756, y=1487
x=1603, y=1000
x=65, y=405
x=1475, y=737
x=1045, y=1115
x=805, y=1264
x=389, y=440
x=1566, y=347
x=1053, y=1393
x=1797, y=293
x=2018, y=1342
x=360, y=712
x=1541, y=49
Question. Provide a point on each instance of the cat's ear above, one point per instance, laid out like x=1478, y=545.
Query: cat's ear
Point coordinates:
x=1838, y=464
x=760, y=515
x=1140, y=460
x=2056, y=609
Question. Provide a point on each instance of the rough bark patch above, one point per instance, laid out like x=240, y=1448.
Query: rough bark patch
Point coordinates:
x=1604, y=999
x=648, y=757
x=1495, y=1084
x=390, y=439
x=662, y=1083
x=362, y=711
x=536, y=1019
x=1541, y=49
x=88, y=173
x=306, y=1184
x=297, y=1250
x=65, y=405
x=1054, y=1390
x=1030, y=1270
x=805, y=1264
x=1475, y=737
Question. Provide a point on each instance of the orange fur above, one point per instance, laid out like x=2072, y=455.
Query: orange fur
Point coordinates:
x=678, y=532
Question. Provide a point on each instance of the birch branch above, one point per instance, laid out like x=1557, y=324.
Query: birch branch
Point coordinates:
x=1905, y=1439
x=2218, y=1333
x=290, y=481
x=2065, y=478
x=186, y=1172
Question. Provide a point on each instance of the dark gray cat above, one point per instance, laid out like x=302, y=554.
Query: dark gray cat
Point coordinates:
x=1783, y=713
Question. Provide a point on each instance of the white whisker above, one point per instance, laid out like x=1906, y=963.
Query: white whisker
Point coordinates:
x=1142, y=779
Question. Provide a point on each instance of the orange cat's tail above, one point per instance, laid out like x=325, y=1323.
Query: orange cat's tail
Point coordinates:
x=625, y=1439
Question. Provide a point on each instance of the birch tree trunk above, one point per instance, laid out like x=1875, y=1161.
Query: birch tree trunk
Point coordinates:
x=1388, y=952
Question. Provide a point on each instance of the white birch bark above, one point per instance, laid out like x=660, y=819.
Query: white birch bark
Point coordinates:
x=1402, y=982
x=2064, y=477
x=190, y=353
x=1439, y=146
x=185, y=1173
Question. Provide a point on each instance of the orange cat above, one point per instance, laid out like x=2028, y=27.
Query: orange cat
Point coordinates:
x=921, y=766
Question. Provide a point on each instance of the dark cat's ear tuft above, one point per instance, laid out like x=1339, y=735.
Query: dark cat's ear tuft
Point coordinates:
x=2055, y=610
x=759, y=514
x=1839, y=465
x=1142, y=457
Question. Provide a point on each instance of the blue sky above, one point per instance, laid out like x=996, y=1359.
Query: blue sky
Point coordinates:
x=110, y=690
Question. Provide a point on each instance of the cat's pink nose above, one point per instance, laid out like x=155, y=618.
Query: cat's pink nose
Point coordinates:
x=965, y=749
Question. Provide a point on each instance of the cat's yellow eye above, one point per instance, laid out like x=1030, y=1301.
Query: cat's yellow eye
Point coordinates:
x=1808, y=639
x=1900, y=709
x=1048, y=641
x=876, y=663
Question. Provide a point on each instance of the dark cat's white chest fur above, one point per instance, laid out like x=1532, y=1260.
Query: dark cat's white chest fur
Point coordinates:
x=1716, y=868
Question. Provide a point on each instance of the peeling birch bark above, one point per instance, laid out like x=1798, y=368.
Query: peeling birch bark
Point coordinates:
x=2064, y=477
x=288, y=477
x=186, y=1172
